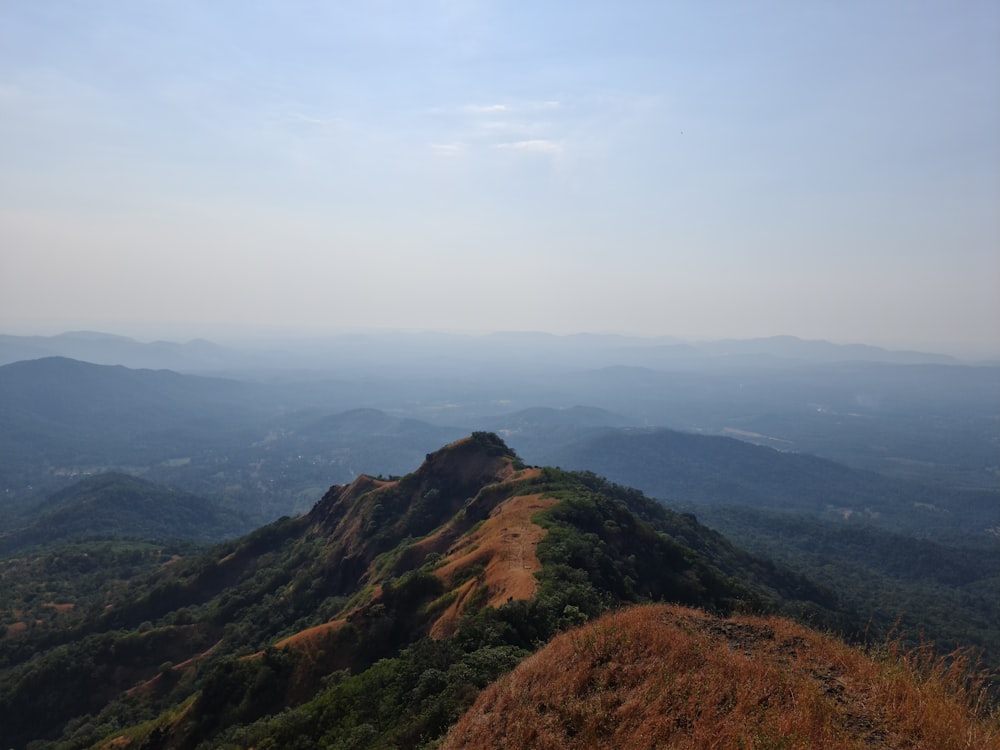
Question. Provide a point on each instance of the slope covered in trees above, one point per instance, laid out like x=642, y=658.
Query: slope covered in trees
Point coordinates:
x=119, y=506
x=373, y=620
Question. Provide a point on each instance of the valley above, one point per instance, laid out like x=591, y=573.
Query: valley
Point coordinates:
x=435, y=375
x=206, y=560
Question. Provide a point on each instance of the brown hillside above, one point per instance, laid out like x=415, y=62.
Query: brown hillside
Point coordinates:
x=489, y=562
x=664, y=676
x=503, y=547
x=468, y=498
x=370, y=516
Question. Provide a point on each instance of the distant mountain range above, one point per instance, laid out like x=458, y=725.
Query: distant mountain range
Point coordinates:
x=240, y=445
x=900, y=413
x=251, y=447
x=423, y=350
x=373, y=617
x=110, y=349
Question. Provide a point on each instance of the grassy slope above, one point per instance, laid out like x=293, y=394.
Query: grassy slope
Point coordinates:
x=665, y=676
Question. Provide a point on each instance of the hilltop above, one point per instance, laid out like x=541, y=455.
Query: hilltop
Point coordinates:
x=473, y=556
x=667, y=676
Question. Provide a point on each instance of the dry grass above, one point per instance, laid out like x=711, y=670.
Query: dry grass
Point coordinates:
x=308, y=637
x=504, y=547
x=670, y=677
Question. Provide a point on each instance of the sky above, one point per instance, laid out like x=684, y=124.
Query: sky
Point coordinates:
x=705, y=169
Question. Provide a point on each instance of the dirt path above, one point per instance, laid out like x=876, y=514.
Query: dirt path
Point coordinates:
x=504, y=548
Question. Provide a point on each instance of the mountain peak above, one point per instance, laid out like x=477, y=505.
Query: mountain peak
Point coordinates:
x=372, y=515
x=481, y=448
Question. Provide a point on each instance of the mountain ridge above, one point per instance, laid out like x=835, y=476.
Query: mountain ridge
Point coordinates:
x=201, y=355
x=377, y=569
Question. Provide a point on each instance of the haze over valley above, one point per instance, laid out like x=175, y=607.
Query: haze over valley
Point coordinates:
x=494, y=374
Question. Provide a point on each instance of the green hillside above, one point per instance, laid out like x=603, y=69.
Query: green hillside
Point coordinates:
x=118, y=506
x=714, y=470
x=376, y=618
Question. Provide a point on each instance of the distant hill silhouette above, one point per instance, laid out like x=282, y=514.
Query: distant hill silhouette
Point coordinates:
x=111, y=349
x=118, y=506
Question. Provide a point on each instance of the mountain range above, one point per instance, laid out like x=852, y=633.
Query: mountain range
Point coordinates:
x=240, y=447
x=375, y=619
x=268, y=449
x=587, y=350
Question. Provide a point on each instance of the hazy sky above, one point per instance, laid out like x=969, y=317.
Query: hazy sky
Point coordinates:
x=816, y=168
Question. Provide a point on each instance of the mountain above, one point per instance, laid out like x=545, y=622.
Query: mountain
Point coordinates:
x=48, y=403
x=716, y=470
x=110, y=349
x=118, y=506
x=422, y=349
x=922, y=558
x=258, y=448
x=792, y=347
x=251, y=444
x=61, y=419
x=542, y=431
x=69, y=392
x=377, y=618
x=935, y=423
x=667, y=676
x=947, y=591
x=366, y=440
x=403, y=597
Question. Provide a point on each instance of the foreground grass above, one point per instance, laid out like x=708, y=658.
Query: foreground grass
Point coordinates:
x=666, y=676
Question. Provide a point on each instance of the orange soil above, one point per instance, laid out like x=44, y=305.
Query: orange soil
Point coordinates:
x=188, y=663
x=149, y=686
x=504, y=545
x=306, y=637
x=17, y=628
x=441, y=541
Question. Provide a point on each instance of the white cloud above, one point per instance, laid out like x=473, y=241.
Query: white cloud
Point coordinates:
x=487, y=109
x=515, y=127
x=448, y=149
x=500, y=109
x=303, y=119
x=536, y=146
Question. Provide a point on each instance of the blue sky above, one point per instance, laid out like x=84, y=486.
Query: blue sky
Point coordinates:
x=822, y=169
